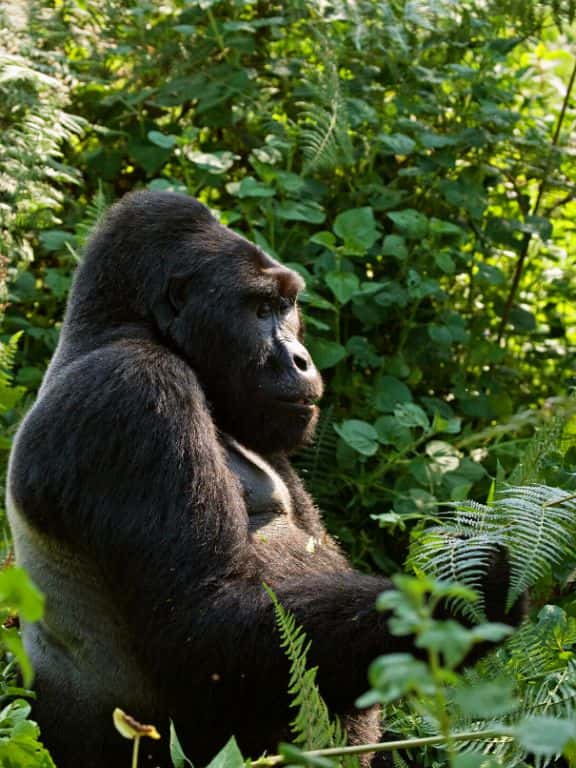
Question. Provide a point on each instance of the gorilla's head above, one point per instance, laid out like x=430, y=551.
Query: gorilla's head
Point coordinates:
x=161, y=260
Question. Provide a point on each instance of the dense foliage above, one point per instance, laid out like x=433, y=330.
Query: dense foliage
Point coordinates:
x=412, y=159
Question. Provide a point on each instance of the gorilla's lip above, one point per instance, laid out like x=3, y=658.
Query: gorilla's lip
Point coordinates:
x=299, y=401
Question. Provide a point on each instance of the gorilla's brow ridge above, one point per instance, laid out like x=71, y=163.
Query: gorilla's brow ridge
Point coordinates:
x=289, y=283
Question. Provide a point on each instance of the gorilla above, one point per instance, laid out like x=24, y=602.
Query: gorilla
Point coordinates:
x=150, y=497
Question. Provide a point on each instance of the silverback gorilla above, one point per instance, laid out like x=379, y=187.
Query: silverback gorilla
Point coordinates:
x=150, y=496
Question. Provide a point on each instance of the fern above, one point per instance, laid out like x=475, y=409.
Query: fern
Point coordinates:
x=312, y=727
x=9, y=394
x=325, y=129
x=535, y=523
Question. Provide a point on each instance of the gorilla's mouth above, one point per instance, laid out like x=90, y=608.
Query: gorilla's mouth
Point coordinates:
x=301, y=403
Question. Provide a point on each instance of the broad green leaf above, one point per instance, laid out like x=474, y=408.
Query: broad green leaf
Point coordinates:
x=343, y=285
x=250, y=187
x=449, y=638
x=18, y=593
x=228, y=757
x=326, y=239
x=325, y=353
x=445, y=262
x=411, y=415
x=359, y=435
x=489, y=699
x=56, y=239
x=545, y=736
x=412, y=224
x=161, y=139
x=391, y=432
x=442, y=227
x=397, y=143
x=295, y=211
x=395, y=675
x=389, y=392
x=357, y=228
x=439, y=334
x=395, y=245
x=179, y=759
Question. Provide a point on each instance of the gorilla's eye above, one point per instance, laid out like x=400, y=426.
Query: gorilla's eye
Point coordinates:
x=264, y=310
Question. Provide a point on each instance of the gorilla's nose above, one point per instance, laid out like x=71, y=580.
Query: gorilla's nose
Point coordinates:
x=300, y=357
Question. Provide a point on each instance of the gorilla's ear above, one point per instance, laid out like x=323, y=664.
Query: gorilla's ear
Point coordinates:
x=167, y=309
x=178, y=292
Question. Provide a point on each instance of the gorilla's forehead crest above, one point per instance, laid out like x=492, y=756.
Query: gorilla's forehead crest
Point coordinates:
x=289, y=282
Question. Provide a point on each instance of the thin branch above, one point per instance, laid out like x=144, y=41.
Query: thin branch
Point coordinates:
x=388, y=746
x=543, y=184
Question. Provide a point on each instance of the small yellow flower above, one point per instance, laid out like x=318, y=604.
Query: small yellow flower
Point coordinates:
x=130, y=728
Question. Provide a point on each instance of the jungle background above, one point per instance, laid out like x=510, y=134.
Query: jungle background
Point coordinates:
x=415, y=162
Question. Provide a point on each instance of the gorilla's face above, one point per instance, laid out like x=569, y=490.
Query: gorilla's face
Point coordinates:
x=239, y=326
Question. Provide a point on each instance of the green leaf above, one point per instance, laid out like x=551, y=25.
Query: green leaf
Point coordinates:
x=411, y=415
x=357, y=228
x=161, y=139
x=10, y=640
x=18, y=593
x=326, y=239
x=412, y=224
x=228, y=757
x=489, y=699
x=296, y=211
x=58, y=282
x=395, y=245
x=343, y=285
x=359, y=435
x=390, y=391
x=449, y=638
x=179, y=759
x=325, y=353
x=397, y=143
x=56, y=239
x=250, y=187
x=545, y=736
x=396, y=674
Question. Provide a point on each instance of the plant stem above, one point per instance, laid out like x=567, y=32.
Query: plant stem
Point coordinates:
x=528, y=236
x=388, y=746
x=135, y=752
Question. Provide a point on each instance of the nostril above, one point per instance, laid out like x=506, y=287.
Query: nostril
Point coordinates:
x=301, y=363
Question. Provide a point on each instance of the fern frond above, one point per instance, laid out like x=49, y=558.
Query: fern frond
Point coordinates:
x=325, y=129
x=92, y=215
x=312, y=727
x=540, y=532
x=534, y=523
x=9, y=394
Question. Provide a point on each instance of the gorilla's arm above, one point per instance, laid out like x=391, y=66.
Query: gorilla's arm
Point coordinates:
x=141, y=485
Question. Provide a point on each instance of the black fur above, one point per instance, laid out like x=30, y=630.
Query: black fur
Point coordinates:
x=150, y=495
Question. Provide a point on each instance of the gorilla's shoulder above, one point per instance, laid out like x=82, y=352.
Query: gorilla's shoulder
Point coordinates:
x=135, y=369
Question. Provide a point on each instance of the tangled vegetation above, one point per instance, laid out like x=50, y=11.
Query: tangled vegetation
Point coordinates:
x=415, y=161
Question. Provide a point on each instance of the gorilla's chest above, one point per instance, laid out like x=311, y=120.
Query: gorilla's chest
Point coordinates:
x=267, y=498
